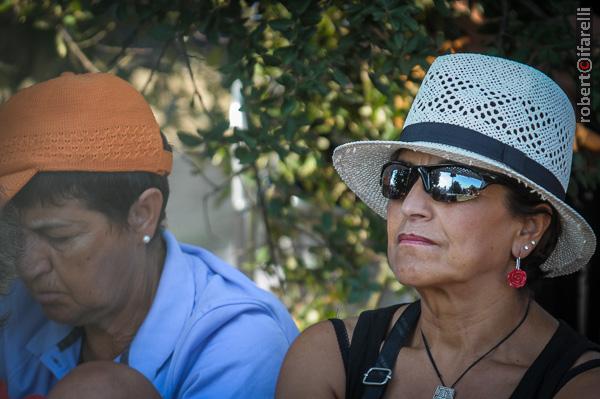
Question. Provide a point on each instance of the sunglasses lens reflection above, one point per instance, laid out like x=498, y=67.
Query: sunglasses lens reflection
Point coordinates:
x=455, y=184
x=446, y=183
x=394, y=181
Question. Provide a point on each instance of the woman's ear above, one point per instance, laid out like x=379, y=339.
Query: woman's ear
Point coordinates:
x=533, y=228
x=144, y=214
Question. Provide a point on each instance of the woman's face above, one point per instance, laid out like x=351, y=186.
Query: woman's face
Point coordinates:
x=461, y=240
x=75, y=262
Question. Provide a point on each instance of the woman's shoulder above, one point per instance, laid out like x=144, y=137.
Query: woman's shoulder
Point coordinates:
x=569, y=359
x=582, y=380
x=313, y=366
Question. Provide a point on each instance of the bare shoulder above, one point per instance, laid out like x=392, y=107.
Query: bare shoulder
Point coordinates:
x=584, y=385
x=313, y=366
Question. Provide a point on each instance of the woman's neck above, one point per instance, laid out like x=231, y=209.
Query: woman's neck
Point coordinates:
x=113, y=334
x=469, y=322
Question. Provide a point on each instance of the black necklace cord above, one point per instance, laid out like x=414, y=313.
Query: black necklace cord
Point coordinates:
x=437, y=371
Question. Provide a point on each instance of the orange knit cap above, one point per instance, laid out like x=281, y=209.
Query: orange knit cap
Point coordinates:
x=94, y=122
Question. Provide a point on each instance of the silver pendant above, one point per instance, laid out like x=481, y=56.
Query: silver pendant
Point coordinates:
x=442, y=392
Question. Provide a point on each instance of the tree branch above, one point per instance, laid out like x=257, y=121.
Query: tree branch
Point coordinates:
x=216, y=188
x=263, y=209
x=76, y=51
x=156, y=65
x=128, y=42
x=92, y=41
x=188, y=64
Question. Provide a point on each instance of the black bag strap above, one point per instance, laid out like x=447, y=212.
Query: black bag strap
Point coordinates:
x=576, y=347
x=549, y=372
x=377, y=377
x=368, y=335
x=575, y=371
x=343, y=342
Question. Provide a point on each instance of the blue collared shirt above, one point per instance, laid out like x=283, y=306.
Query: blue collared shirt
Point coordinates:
x=210, y=333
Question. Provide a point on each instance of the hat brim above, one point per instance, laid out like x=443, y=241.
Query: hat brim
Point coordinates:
x=12, y=183
x=359, y=165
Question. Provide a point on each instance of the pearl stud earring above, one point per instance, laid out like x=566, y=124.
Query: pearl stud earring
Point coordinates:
x=146, y=239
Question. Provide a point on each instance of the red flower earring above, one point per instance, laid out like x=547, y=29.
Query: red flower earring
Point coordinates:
x=517, y=278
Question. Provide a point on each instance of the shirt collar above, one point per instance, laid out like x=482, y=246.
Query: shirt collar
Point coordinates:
x=48, y=337
x=53, y=345
x=172, y=306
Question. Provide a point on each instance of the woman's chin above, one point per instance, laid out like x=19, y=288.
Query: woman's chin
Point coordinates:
x=417, y=275
x=60, y=314
x=410, y=277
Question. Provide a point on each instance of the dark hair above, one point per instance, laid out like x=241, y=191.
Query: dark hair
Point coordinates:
x=522, y=202
x=9, y=248
x=111, y=193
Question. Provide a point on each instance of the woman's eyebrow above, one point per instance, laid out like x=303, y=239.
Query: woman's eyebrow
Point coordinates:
x=45, y=225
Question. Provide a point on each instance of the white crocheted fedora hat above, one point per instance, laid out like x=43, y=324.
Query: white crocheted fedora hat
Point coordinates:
x=494, y=114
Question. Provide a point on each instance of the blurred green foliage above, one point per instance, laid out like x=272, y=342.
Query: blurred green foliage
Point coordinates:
x=315, y=74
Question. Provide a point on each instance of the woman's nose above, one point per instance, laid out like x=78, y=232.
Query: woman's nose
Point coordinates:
x=416, y=204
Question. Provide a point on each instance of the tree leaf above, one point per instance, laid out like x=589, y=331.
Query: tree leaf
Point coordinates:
x=341, y=78
x=244, y=155
x=189, y=140
x=271, y=60
x=281, y=24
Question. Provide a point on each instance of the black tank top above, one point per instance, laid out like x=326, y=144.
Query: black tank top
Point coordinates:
x=551, y=370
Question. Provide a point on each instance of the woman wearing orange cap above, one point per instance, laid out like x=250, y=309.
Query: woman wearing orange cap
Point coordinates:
x=473, y=193
x=85, y=165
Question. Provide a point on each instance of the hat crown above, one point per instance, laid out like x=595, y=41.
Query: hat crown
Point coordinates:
x=504, y=100
x=93, y=122
x=75, y=102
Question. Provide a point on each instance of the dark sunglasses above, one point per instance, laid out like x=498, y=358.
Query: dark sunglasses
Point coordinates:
x=444, y=182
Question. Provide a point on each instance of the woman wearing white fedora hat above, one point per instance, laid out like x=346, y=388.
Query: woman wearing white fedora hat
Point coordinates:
x=473, y=193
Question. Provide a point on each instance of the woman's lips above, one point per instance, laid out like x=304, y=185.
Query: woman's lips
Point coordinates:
x=47, y=297
x=413, y=239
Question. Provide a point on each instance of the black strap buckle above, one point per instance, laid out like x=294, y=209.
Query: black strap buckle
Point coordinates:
x=377, y=376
